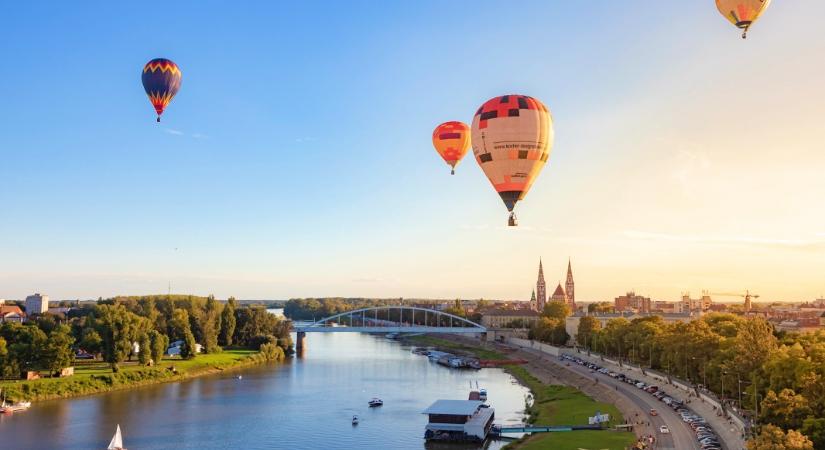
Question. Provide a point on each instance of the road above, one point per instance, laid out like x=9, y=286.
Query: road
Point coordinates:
x=729, y=435
x=681, y=436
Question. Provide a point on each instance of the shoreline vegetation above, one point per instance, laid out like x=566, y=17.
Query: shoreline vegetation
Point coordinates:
x=126, y=342
x=551, y=405
x=98, y=378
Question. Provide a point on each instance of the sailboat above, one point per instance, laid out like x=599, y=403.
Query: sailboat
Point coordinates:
x=117, y=441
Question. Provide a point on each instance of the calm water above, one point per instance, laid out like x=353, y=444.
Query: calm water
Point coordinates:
x=306, y=403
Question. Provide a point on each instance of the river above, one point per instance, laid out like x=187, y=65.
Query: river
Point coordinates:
x=305, y=403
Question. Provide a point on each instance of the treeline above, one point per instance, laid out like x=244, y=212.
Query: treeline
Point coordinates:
x=111, y=328
x=779, y=377
x=550, y=327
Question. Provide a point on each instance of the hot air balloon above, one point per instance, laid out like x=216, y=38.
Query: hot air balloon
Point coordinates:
x=161, y=80
x=452, y=140
x=512, y=137
x=742, y=13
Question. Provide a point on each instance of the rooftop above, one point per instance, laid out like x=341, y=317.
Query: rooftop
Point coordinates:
x=454, y=407
x=510, y=312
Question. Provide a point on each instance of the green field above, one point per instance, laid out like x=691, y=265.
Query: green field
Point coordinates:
x=553, y=405
x=98, y=377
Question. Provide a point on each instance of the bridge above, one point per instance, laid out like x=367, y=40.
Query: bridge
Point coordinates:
x=390, y=319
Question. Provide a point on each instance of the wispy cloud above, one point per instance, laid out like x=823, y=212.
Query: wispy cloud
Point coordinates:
x=802, y=244
x=301, y=140
x=368, y=280
x=182, y=133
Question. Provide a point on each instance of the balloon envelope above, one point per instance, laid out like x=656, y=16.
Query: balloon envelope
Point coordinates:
x=742, y=13
x=512, y=136
x=161, y=81
x=452, y=140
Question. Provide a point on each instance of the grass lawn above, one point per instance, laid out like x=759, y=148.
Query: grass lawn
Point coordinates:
x=95, y=377
x=564, y=405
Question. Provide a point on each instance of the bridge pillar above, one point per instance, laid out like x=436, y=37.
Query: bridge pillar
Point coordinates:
x=299, y=340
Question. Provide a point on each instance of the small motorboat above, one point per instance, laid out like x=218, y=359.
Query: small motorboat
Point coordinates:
x=117, y=441
x=482, y=395
x=355, y=420
x=8, y=408
x=376, y=402
x=240, y=377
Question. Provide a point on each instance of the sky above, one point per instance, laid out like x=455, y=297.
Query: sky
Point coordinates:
x=296, y=160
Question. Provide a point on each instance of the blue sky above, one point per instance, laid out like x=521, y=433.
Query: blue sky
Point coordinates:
x=296, y=159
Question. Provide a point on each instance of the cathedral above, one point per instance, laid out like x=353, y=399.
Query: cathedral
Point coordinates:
x=566, y=294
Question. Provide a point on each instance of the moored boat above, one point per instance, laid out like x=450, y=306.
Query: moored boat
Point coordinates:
x=376, y=402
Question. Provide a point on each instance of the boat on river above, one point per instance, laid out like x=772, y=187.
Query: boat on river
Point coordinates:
x=117, y=441
x=376, y=402
x=8, y=408
x=458, y=421
x=355, y=420
x=482, y=395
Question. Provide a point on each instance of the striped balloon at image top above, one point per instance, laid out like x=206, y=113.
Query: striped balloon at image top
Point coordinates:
x=161, y=80
x=512, y=136
x=452, y=141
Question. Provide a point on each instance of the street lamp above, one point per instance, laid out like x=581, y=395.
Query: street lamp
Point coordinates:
x=739, y=382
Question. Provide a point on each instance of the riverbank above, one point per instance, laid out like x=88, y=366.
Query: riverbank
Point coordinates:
x=98, y=378
x=553, y=403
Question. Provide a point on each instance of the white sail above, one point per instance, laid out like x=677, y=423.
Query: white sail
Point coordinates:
x=117, y=441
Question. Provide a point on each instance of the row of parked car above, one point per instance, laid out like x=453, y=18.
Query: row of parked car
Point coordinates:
x=705, y=435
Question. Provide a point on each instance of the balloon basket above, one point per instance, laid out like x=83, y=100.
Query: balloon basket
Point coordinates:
x=512, y=221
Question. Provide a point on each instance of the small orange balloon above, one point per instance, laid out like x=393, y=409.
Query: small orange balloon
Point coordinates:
x=452, y=140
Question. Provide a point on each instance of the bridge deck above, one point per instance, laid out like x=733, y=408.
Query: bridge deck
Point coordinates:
x=390, y=329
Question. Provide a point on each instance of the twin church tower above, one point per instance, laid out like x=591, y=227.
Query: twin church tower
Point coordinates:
x=566, y=294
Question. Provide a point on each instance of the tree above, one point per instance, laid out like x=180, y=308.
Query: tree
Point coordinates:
x=814, y=429
x=118, y=329
x=227, y=322
x=786, y=409
x=58, y=351
x=211, y=325
x=588, y=327
x=159, y=344
x=773, y=438
x=145, y=354
x=182, y=331
x=91, y=342
x=556, y=310
x=189, y=348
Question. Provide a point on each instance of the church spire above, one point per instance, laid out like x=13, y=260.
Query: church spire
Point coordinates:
x=570, y=286
x=541, y=289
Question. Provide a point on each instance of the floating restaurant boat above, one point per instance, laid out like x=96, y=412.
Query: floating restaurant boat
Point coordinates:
x=459, y=421
x=376, y=402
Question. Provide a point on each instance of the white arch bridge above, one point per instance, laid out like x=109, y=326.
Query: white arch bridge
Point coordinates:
x=391, y=319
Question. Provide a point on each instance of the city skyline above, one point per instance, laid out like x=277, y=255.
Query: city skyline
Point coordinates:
x=267, y=178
